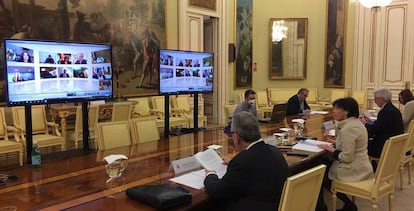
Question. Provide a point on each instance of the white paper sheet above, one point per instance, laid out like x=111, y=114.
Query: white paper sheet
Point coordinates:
x=193, y=179
x=209, y=159
x=309, y=145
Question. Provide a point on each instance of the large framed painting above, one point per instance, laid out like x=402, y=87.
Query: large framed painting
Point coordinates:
x=335, y=42
x=134, y=28
x=244, y=26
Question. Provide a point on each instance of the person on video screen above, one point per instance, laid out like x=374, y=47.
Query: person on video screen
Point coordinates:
x=80, y=59
x=50, y=59
x=25, y=57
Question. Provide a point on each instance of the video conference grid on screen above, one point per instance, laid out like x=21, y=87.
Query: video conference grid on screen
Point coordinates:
x=185, y=71
x=41, y=72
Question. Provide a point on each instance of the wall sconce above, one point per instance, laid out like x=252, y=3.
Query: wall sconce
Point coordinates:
x=375, y=4
x=279, y=31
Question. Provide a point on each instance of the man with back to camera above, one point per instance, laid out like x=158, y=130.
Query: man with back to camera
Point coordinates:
x=255, y=176
x=389, y=123
x=249, y=103
x=297, y=103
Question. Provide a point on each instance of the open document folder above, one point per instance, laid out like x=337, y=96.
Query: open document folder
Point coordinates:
x=208, y=159
x=309, y=145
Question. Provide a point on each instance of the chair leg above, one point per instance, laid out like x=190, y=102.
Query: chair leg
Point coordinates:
x=391, y=202
x=401, y=175
x=21, y=158
x=333, y=200
x=410, y=164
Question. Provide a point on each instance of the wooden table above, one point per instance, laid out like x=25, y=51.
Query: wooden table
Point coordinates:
x=79, y=182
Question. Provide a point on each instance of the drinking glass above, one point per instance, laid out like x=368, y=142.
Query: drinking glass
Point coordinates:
x=116, y=168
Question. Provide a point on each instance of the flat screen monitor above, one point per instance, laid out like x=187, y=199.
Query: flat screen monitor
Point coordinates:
x=43, y=72
x=185, y=72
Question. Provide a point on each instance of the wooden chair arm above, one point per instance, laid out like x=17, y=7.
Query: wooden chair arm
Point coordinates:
x=55, y=127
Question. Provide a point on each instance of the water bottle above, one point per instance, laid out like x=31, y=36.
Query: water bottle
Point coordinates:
x=36, y=158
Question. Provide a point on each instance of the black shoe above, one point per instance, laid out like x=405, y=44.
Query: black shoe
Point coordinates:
x=348, y=207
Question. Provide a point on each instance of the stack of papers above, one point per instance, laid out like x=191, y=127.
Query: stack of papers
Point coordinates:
x=309, y=145
x=319, y=112
x=210, y=160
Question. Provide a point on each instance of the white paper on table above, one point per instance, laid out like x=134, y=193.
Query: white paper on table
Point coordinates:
x=279, y=134
x=111, y=158
x=309, y=145
x=285, y=129
x=300, y=121
x=193, y=179
x=331, y=132
x=319, y=112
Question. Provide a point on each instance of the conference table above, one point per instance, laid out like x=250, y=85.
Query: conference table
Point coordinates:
x=78, y=180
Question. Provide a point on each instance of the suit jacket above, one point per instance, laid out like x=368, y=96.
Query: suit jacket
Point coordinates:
x=254, y=180
x=294, y=106
x=353, y=163
x=389, y=123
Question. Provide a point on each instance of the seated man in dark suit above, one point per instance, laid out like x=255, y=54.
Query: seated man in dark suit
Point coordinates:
x=255, y=176
x=389, y=123
x=297, y=103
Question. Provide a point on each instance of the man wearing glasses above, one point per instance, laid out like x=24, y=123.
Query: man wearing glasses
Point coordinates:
x=297, y=103
x=255, y=176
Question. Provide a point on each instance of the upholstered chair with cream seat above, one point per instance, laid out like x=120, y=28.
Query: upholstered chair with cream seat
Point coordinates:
x=383, y=183
x=93, y=115
x=8, y=145
x=45, y=133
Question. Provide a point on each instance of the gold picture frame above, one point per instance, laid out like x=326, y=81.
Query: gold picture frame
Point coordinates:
x=335, y=44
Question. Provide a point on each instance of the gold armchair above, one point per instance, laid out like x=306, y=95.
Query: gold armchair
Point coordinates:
x=93, y=115
x=407, y=158
x=176, y=119
x=301, y=191
x=121, y=111
x=182, y=106
x=383, y=183
x=6, y=145
x=40, y=127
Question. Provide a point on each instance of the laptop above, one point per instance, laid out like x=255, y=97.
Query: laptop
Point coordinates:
x=278, y=114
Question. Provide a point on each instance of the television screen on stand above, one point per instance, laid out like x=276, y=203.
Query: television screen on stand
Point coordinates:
x=43, y=72
x=184, y=72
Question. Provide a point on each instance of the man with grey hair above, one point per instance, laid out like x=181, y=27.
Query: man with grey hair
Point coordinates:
x=297, y=103
x=389, y=123
x=255, y=176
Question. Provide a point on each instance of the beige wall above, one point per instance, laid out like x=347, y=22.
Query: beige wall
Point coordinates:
x=315, y=11
x=263, y=10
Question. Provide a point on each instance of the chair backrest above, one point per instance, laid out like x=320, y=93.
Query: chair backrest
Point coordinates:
x=312, y=95
x=338, y=93
x=93, y=115
x=229, y=110
x=158, y=103
x=410, y=131
x=261, y=99
x=113, y=134
x=121, y=111
x=301, y=191
x=360, y=97
x=390, y=158
x=3, y=132
x=183, y=103
x=38, y=118
x=144, y=130
x=281, y=95
x=141, y=108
